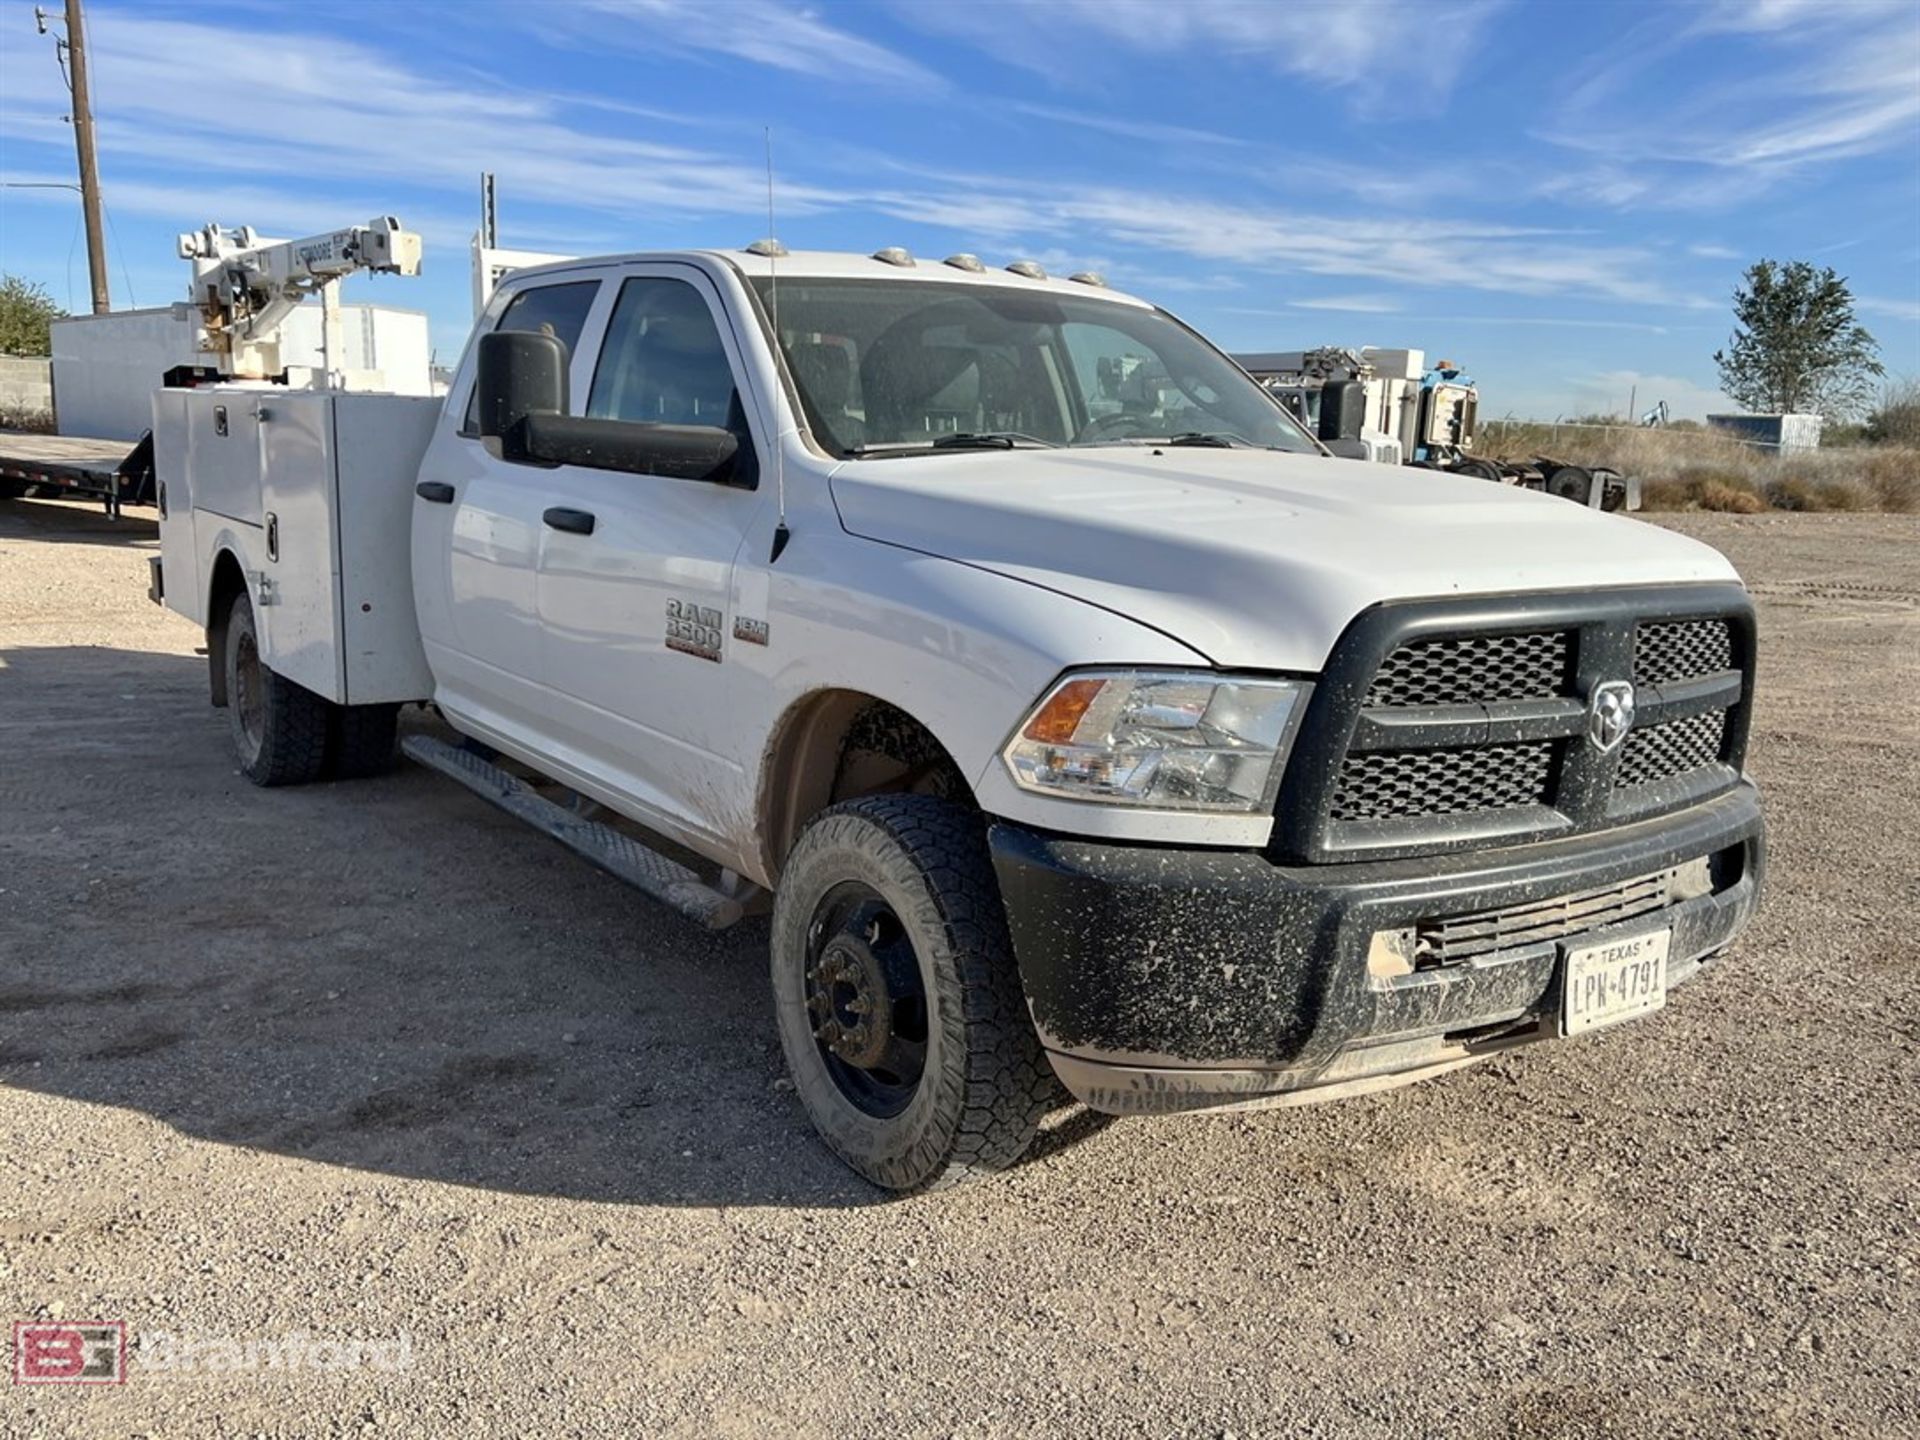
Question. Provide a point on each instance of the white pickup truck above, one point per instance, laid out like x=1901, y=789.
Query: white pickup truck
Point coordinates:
x=1085, y=722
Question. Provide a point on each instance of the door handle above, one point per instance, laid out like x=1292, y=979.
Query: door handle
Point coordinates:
x=579, y=522
x=437, y=491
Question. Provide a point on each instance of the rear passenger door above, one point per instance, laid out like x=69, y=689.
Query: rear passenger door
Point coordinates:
x=477, y=535
x=634, y=614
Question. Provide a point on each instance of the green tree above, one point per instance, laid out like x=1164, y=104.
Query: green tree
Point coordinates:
x=26, y=310
x=1797, y=348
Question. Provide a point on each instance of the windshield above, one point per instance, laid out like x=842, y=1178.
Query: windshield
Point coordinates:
x=903, y=366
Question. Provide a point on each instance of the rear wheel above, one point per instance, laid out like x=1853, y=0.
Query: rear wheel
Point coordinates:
x=362, y=740
x=1571, y=482
x=897, y=996
x=279, y=729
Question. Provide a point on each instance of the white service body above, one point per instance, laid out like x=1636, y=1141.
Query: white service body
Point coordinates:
x=311, y=493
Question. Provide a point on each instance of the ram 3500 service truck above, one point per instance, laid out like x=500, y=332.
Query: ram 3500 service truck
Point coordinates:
x=1087, y=724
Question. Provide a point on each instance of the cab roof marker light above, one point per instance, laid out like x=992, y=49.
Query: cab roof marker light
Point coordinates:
x=1028, y=268
x=964, y=261
x=768, y=246
x=894, y=255
x=1089, y=277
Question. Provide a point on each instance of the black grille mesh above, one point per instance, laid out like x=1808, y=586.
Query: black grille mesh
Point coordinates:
x=1663, y=751
x=1389, y=784
x=1680, y=650
x=1467, y=669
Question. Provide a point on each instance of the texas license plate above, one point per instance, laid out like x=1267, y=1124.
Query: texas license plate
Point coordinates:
x=1614, y=980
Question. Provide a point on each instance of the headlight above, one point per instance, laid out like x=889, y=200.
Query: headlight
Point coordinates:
x=1176, y=740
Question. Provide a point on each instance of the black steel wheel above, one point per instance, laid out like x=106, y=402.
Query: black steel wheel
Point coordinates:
x=279, y=729
x=867, y=999
x=897, y=997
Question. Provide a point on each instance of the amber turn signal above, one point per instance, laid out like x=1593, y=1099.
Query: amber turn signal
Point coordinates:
x=1055, y=722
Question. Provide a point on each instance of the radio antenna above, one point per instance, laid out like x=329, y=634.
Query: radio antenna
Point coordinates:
x=780, y=532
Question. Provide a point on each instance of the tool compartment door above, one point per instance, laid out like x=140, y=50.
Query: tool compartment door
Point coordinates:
x=298, y=610
x=378, y=442
x=186, y=587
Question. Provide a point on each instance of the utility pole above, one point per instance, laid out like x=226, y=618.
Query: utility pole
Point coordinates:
x=73, y=51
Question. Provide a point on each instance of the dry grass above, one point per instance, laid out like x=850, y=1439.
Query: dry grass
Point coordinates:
x=1691, y=469
x=38, y=422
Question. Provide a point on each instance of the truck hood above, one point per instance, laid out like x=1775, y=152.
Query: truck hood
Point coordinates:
x=1255, y=559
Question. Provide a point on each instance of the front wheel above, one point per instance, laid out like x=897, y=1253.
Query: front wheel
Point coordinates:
x=897, y=996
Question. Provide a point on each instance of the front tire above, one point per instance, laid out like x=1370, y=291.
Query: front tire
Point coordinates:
x=897, y=996
x=279, y=729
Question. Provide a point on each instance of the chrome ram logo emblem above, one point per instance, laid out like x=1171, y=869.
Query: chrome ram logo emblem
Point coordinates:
x=1609, y=715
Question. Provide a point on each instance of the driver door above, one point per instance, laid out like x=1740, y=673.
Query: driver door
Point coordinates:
x=634, y=599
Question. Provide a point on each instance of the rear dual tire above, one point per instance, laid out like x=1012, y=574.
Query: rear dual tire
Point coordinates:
x=283, y=733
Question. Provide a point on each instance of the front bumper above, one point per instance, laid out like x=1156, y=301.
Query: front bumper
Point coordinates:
x=1165, y=980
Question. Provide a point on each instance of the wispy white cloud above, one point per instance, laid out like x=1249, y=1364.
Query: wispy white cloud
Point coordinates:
x=1713, y=252
x=1788, y=84
x=1369, y=48
x=1505, y=258
x=1351, y=304
x=765, y=32
x=394, y=127
x=315, y=150
x=1893, y=309
x=1125, y=127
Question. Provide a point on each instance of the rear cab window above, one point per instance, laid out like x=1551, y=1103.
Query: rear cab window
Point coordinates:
x=556, y=310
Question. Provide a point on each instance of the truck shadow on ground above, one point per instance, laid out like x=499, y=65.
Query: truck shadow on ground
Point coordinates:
x=387, y=974
x=75, y=522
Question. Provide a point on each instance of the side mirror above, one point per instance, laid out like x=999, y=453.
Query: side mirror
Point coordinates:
x=522, y=392
x=521, y=375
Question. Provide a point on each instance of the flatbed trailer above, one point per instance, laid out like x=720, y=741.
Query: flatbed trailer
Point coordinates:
x=113, y=472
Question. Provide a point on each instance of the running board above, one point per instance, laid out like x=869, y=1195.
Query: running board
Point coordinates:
x=620, y=855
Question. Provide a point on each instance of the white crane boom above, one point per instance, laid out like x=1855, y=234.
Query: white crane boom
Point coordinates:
x=244, y=285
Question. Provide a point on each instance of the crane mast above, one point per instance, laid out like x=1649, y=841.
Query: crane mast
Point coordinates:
x=245, y=285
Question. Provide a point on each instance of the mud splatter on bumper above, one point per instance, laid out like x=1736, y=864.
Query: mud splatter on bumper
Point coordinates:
x=1164, y=979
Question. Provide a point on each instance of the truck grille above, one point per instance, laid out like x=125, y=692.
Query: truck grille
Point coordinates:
x=1452, y=723
x=1459, y=939
x=1661, y=752
x=1384, y=784
x=1680, y=650
x=1466, y=669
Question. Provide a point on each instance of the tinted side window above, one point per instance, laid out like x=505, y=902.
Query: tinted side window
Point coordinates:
x=663, y=363
x=557, y=310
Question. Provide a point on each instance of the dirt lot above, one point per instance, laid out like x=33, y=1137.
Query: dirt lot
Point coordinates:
x=370, y=1062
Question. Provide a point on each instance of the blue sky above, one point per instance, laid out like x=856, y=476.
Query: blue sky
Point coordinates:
x=1558, y=193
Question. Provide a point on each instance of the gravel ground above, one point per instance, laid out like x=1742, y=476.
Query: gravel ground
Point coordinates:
x=371, y=1062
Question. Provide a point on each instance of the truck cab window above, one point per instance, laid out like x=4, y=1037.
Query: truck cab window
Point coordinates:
x=556, y=310
x=663, y=363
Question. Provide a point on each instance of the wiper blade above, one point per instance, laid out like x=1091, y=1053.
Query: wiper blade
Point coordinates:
x=989, y=440
x=1203, y=437
x=959, y=440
